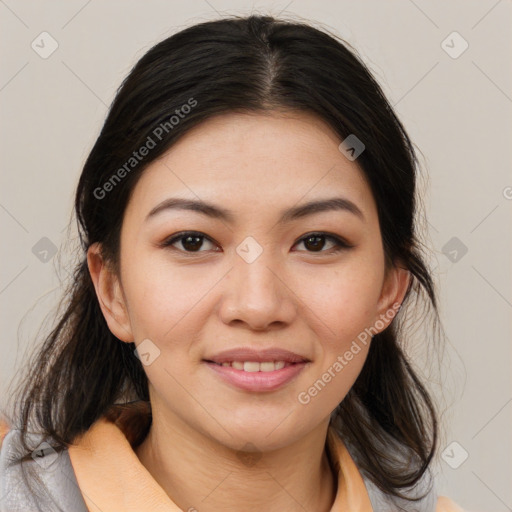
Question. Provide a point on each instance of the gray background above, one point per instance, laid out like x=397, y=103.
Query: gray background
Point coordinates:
x=456, y=107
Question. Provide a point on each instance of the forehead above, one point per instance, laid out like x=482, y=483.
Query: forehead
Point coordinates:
x=254, y=161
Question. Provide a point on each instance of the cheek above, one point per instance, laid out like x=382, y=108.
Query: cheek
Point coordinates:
x=339, y=310
x=344, y=299
x=161, y=297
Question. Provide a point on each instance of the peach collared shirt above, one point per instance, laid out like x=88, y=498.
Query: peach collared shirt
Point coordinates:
x=111, y=477
x=105, y=446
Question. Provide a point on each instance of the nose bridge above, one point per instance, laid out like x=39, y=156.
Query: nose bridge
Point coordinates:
x=257, y=294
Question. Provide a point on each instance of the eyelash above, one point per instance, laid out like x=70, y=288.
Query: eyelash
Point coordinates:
x=340, y=244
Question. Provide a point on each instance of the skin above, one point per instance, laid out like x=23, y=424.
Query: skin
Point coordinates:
x=194, y=304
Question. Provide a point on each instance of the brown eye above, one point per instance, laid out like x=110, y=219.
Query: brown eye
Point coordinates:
x=190, y=241
x=193, y=242
x=315, y=242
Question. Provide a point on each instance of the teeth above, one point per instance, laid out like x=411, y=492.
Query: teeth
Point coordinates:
x=266, y=367
x=251, y=367
x=254, y=366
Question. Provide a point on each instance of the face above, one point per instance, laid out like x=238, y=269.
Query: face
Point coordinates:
x=264, y=273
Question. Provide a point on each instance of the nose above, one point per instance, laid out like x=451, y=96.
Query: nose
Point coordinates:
x=257, y=295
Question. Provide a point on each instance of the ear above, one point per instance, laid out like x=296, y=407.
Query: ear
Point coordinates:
x=396, y=283
x=109, y=293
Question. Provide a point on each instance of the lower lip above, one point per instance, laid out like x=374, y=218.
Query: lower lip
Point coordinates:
x=257, y=381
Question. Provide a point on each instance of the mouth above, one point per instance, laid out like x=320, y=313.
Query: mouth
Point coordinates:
x=256, y=376
x=257, y=370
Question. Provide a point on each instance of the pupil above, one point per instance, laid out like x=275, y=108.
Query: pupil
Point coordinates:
x=316, y=245
x=194, y=245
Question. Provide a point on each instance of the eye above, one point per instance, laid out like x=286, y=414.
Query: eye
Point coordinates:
x=191, y=241
x=316, y=242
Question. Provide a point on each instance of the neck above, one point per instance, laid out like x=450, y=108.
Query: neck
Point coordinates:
x=199, y=474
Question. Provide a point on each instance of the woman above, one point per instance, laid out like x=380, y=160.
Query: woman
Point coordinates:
x=247, y=220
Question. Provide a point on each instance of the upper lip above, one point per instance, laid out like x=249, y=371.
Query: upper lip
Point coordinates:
x=257, y=355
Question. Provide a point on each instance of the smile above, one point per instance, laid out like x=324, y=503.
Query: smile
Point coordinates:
x=256, y=376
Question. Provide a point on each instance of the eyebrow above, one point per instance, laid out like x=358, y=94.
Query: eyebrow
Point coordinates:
x=294, y=213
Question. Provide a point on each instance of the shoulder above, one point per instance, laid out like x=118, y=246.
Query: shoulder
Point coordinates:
x=421, y=497
x=423, y=494
x=432, y=502
x=46, y=473
x=447, y=505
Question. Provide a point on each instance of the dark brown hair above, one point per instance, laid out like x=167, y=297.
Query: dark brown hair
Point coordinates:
x=241, y=64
